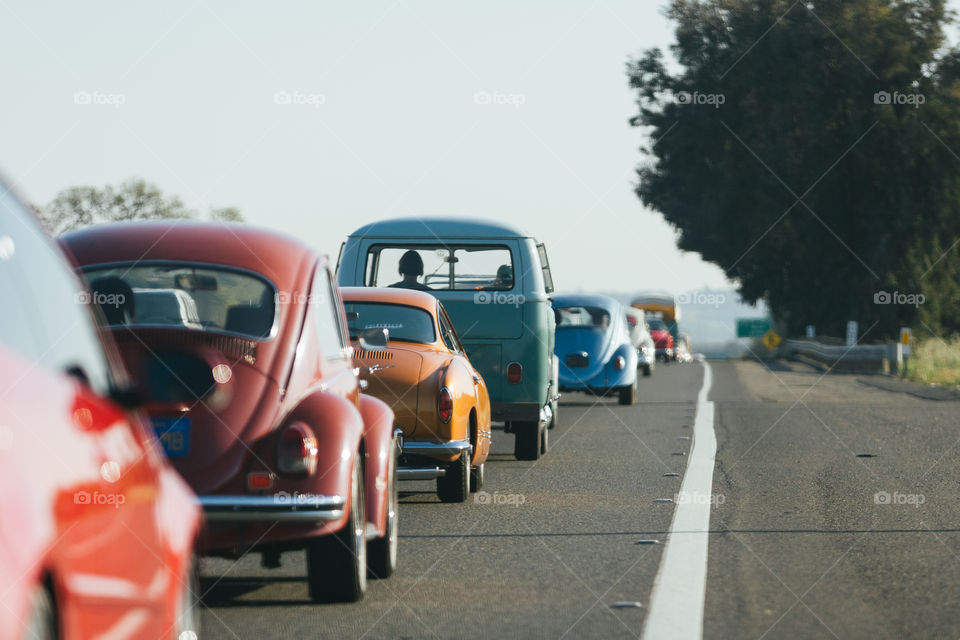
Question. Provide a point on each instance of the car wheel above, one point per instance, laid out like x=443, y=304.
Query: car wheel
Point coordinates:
x=555, y=420
x=188, y=605
x=628, y=395
x=647, y=371
x=42, y=621
x=544, y=441
x=526, y=446
x=382, y=552
x=455, y=485
x=337, y=563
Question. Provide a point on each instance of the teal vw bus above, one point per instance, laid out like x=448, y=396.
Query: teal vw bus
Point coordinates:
x=494, y=281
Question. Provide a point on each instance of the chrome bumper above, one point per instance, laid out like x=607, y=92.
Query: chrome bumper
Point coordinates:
x=280, y=507
x=429, y=449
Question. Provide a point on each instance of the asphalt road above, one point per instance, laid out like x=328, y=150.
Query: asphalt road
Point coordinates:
x=799, y=546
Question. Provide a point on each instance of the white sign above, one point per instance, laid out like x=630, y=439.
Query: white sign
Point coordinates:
x=852, y=333
x=906, y=339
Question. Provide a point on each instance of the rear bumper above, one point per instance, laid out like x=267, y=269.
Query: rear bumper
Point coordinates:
x=280, y=507
x=515, y=411
x=416, y=458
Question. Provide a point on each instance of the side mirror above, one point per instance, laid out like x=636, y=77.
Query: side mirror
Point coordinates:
x=373, y=339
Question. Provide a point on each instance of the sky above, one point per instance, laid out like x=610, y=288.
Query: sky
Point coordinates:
x=317, y=117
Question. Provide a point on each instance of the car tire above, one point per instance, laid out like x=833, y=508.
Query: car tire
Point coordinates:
x=188, y=604
x=628, y=394
x=337, y=563
x=527, y=444
x=544, y=441
x=476, y=478
x=382, y=552
x=455, y=485
x=41, y=622
x=647, y=371
x=555, y=420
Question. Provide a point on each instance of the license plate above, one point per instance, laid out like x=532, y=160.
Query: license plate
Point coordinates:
x=174, y=435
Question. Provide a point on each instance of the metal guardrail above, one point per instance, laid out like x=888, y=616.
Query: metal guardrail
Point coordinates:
x=869, y=358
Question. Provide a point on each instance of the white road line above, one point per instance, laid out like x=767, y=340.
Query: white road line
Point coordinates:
x=676, y=605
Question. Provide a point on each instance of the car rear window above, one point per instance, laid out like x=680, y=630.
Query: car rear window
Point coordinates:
x=407, y=324
x=441, y=267
x=582, y=317
x=190, y=296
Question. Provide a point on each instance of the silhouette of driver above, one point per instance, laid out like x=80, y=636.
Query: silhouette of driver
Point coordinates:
x=410, y=268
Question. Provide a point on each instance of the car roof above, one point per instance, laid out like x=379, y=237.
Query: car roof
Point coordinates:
x=275, y=255
x=434, y=227
x=586, y=300
x=390, y=295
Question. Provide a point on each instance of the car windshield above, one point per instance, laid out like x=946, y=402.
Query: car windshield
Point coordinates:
x=407, y=324
x=582, y=317
x=441, y=267
x=656, y=324
x=189, y=296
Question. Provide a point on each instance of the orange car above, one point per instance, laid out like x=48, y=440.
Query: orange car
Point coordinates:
x=439, y=400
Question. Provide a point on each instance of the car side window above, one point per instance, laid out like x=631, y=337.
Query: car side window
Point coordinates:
x=327, y=317
x=447, y=331
x=49, y=297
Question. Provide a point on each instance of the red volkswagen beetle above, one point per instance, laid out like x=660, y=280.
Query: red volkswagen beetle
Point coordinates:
x=242, y=333
x=96, y=529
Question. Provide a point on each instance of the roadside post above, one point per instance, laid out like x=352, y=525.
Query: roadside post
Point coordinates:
x=852, y=333
x=811, y=331
x=906, y=339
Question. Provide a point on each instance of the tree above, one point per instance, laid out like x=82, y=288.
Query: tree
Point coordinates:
x=809, y=150
x=135, y=199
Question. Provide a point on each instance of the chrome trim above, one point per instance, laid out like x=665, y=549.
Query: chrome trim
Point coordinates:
x=436, y=448
x=420, y=473
x=279, y=507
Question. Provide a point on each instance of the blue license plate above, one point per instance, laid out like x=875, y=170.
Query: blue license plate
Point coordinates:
x=174, y=435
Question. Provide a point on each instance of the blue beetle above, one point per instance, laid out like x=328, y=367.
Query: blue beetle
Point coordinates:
x=593, y=346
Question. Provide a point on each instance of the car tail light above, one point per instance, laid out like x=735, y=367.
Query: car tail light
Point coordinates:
x=259, y=481
x=514, y=372
x=445, y=405
x=297, y=450
x=619, y=363
x=631, y=321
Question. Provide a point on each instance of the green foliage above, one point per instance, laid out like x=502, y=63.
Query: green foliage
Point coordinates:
x=798, y=177
x=135, y=199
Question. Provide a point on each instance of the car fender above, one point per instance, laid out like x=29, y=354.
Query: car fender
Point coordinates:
x=459, y=380
x=339, y=429
x=380, y=449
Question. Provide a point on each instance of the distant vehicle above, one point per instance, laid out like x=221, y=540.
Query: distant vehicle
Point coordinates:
x=642, y=340
x=440, y=401
x=663, y=314
x=683, y=349
x=98, y=530
x=494, y=280
x=165, y=307
x=258, y=404
x=594, y=347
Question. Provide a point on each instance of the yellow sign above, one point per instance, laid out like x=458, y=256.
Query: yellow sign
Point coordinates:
x=771, y=340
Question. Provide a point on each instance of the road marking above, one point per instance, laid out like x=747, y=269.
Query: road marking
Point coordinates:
x=676, y=604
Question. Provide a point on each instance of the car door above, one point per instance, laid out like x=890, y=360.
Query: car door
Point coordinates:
x=110, y=530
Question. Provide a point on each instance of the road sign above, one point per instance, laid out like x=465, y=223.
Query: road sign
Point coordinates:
x=852, y=333
x=771, y=340
x=752, y=327
x=906, y=339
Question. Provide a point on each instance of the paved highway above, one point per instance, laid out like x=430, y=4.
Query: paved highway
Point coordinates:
x=806, y=538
